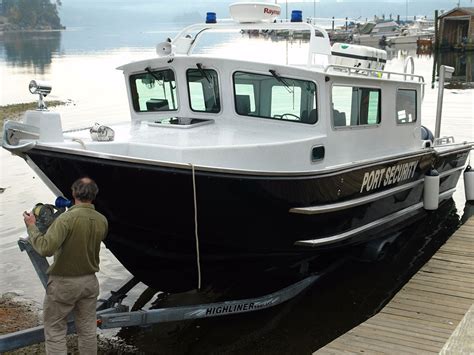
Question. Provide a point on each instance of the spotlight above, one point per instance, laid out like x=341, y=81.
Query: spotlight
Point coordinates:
x=41, y=88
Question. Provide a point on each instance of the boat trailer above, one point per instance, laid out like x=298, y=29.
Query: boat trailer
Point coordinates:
x=111, y=313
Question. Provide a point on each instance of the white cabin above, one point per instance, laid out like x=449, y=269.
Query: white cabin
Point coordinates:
x=255, y=116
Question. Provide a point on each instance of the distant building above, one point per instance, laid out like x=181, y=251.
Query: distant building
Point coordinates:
x=456, y=28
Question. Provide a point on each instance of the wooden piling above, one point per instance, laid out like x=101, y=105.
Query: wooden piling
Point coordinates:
x=436, y=30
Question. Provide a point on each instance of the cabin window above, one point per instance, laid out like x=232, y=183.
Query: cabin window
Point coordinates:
x=406, y=106
x=154, y=91
x=275, y=97
x=355, y=106
x=203, y=88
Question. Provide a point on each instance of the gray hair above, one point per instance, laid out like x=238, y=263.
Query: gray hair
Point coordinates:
x=84, y=189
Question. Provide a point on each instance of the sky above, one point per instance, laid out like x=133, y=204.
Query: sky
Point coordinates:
x=80, y=12
x=119, y=12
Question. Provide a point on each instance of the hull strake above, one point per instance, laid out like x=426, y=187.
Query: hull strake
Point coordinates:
x=242, y=221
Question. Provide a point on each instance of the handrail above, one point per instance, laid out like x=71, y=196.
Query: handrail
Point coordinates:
x=379, y=74
x=444, y=141
x=191, y=41
x=445, y=72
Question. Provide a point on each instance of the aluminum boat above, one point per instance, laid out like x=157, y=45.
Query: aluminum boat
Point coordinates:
x=230, y=167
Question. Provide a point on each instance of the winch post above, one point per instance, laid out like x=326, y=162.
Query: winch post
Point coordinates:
x=41, y=266
x=39, y=262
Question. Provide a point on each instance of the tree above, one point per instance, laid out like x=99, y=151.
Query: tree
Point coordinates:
x=31, y=14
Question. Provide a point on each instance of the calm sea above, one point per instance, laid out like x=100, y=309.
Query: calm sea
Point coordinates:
x=80, y=63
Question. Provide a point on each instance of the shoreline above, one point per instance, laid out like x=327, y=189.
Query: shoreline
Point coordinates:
x=41, y=25
x=16, y=111
x=32, y=30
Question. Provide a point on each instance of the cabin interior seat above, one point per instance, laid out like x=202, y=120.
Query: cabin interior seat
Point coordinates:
x=339, y=118
x=157, y=105
x=242, y=103
x=311, y=118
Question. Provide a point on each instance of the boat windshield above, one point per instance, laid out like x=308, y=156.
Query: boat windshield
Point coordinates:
x=154, y=90
x=275, y=97
x=203, y=87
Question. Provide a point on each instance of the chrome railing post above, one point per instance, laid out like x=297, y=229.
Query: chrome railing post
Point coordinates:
x=445, y=72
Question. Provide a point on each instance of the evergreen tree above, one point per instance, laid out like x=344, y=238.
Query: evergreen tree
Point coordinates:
x=31, y=14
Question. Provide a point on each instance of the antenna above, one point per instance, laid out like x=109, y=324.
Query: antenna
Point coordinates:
x=406, y=10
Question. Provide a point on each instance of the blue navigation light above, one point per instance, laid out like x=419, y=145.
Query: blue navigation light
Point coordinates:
x=211, y=17
x=296, y=16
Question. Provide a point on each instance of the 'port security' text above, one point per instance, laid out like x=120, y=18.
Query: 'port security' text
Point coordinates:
x=388, y=176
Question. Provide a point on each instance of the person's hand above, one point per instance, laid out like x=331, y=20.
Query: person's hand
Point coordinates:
x=29, y=218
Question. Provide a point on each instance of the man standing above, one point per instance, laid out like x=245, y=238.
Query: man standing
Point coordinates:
x=74, y=239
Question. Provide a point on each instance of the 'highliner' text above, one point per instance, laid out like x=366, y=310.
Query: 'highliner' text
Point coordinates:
x=388, y=176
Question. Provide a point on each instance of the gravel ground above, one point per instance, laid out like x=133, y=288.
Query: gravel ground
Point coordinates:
x=18, y=314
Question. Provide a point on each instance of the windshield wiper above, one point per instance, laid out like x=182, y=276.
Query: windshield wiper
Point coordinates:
x=203, y=72
x=281, y=80
x=148, y=70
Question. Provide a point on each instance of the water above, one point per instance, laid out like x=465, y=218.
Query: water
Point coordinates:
x=81, y=62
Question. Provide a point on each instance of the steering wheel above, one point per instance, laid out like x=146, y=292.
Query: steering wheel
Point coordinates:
x=289, y=115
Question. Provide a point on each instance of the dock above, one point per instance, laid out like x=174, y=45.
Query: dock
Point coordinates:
x=433, y=313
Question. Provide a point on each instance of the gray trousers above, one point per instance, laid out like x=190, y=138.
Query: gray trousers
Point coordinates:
x=63, y=295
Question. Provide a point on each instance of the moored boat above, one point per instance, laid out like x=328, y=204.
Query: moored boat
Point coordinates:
x=378, y=33
x=230, y=167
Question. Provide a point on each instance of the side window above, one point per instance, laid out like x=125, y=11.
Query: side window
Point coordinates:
x=354, y=106
x=154, y=91
x=203, y=88
x=275, y=97
x=406, y=106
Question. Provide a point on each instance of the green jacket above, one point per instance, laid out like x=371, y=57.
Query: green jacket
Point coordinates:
x=74, y=239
